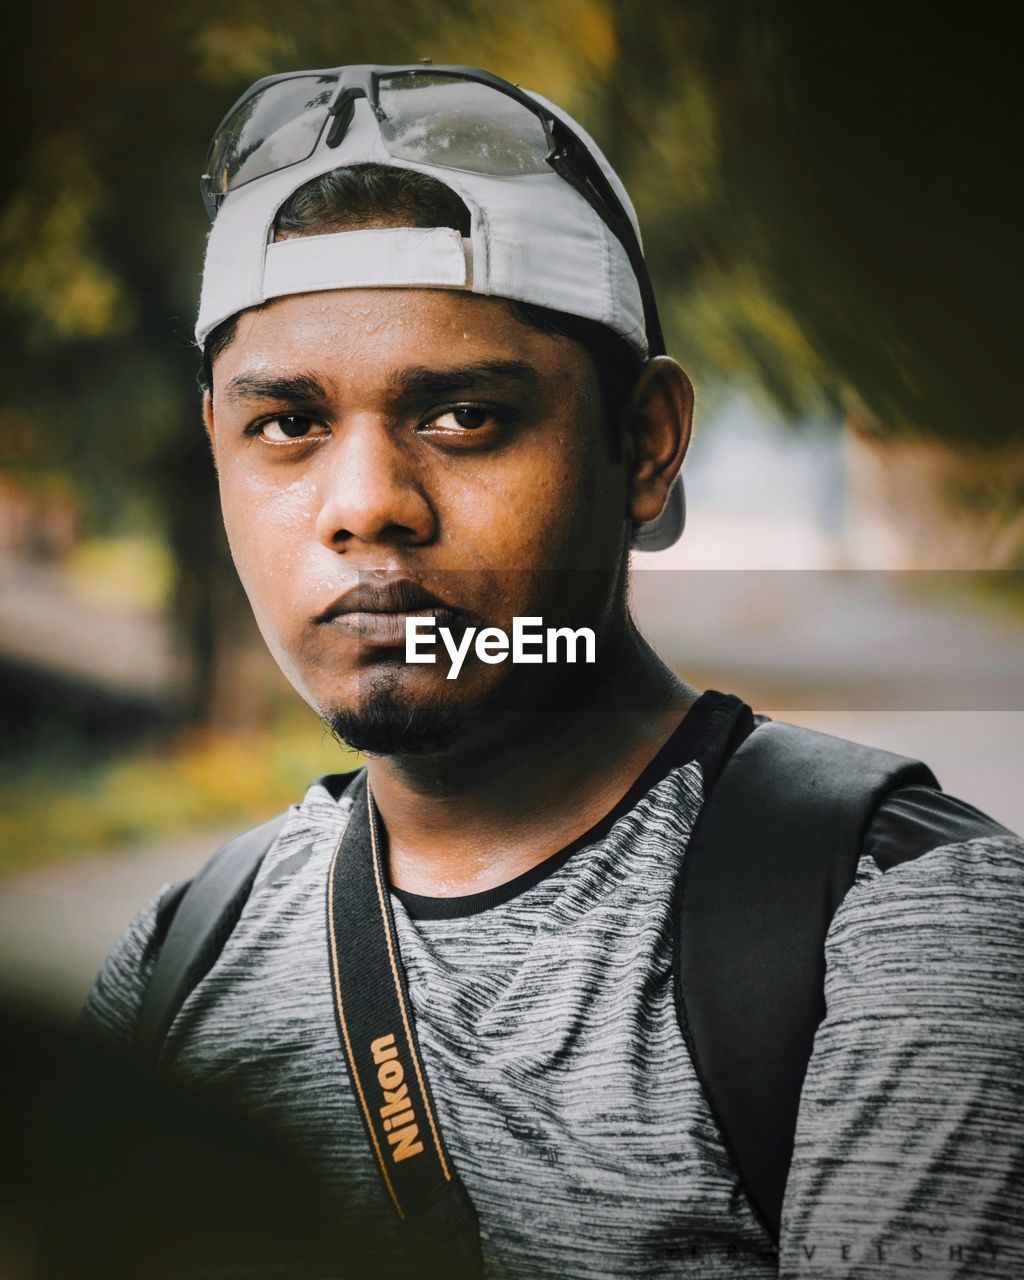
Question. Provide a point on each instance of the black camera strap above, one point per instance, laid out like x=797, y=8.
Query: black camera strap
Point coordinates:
x=378, y=1038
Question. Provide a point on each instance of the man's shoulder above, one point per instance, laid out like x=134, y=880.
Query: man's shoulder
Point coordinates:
x=267, y=854
x=278, y=849
x=271, y=845
x=906, y=815
x=111, y=1008
x=910, y=1125
x=918, y=820
x=937, y=908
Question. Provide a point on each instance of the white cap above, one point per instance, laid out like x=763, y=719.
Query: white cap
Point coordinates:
x=533, y=238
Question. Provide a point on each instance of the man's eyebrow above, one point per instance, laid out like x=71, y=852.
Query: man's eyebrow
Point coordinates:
x=254, y=386
x=418, y=380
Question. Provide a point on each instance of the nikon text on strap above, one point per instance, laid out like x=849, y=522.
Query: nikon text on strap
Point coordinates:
x=378, y=1038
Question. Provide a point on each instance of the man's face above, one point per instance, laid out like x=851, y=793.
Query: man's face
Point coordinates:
x=368, y=437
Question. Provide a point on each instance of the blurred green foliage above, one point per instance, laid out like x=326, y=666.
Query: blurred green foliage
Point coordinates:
x=198, y=779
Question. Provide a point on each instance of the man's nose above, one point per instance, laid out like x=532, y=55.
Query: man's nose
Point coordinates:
x=370, y=492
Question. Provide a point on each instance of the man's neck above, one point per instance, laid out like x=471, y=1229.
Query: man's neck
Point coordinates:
x=491, y=809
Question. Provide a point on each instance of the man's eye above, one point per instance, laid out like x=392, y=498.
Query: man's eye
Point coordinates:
x=289, y=428
x=462, y=417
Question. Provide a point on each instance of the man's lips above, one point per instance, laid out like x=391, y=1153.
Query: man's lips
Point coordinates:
x=377, y=612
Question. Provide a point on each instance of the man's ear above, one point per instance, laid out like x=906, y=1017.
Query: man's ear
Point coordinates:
x=658, y=419
x=208, y=423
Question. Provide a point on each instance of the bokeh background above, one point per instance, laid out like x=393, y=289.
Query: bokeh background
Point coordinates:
x=831, y=203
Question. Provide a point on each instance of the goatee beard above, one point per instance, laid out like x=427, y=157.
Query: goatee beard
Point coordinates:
x=386, y=721
x=382, y=725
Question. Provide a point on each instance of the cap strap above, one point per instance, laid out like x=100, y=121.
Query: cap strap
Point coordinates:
x=367, y=259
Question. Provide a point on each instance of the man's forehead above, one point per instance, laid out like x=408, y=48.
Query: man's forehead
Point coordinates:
x=392, y=335
x=364, y=312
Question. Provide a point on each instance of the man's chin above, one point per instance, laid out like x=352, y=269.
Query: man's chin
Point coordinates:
x=395, y=712
x=386, y=724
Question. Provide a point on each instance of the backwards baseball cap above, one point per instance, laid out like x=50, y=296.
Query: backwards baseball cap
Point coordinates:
x=550, y=222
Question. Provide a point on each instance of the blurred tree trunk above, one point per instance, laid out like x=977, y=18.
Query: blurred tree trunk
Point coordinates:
x=229, y=680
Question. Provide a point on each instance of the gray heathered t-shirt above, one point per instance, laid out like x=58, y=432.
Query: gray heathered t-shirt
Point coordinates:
x=563, y=1084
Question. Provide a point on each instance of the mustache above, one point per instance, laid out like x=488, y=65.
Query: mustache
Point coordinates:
x=400, y=595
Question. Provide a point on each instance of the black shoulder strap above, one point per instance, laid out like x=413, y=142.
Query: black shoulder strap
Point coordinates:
x=773, y=854
x=207, y=911
x=202, y=913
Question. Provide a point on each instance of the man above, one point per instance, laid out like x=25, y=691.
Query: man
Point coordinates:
x=441, y=416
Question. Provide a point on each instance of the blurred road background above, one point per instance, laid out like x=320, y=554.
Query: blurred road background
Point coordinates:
x=830, y=200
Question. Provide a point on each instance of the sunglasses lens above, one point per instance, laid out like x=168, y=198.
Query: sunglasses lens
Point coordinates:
x=460, y=124
x=275, y=128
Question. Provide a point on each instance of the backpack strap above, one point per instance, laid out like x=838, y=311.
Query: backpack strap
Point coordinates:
x=207, y=910
x=198, y=918
x=773, y=854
